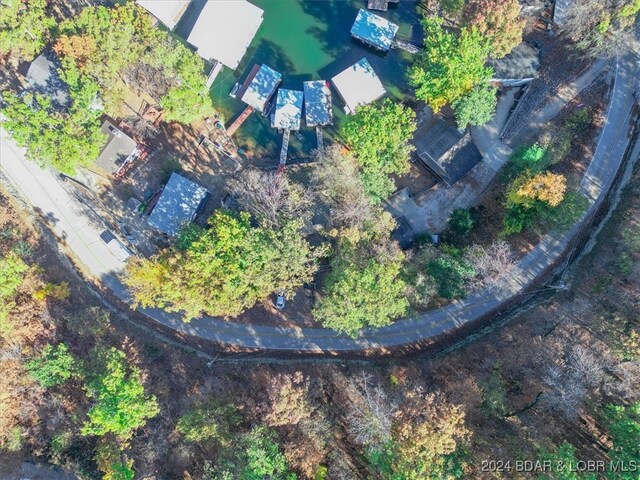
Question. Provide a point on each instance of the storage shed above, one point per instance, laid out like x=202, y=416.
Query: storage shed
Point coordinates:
x=178, y=204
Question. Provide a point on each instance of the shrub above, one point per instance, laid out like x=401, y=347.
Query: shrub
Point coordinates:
x=54, y=366
x=450, y=272
x=534, y=158
x=459, y=225
x=211, y=421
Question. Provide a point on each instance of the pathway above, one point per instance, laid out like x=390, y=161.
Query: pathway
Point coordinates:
x=81, y=234
x=437, y=204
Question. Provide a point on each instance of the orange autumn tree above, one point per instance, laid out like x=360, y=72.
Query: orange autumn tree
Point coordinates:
x=80, y=47
x=498, y=20
x=546, y=187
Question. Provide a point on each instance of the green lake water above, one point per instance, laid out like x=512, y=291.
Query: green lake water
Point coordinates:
x=307, y=40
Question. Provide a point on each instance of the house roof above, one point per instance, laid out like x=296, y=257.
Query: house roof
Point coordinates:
x=288, y=110
x=42, y=76
x=523, y=62
x=224, y=30
x=374, y=30
x=177, y=205
x=447, y=152
x=117, y=149
x=167, y=11
x=358, y=85
x=561, y=11
x=262, y=87
x=317, y=103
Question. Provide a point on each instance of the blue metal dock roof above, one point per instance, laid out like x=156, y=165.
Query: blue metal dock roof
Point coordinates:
x=374, y=30
x=288, y=110
x=177, y=205
x=262, y=87
x=317, y=103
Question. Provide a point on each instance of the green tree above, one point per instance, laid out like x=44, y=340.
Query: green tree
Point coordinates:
x=24, y=26
x=379, y=137
x=532, y=157
x=12, y=272
x=459, y=225
x=475, y=107
x=227, y=270
x=450, y=65
x=449, y=271
x=358, y=296
x=64, y=141
x=563, y=464
x=208, y=422
x=120, y=403
x=113, y=463
x=54, y=366
x=624, y=430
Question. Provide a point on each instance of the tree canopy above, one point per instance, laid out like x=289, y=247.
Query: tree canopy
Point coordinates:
x=64, y=141
x=364, y=288
x=24, y=26
x=227, y=270
x=103, y=46
x=450, y=65
x=498, y=20
x=476, y=106
x=121, y=404
x=379, y=136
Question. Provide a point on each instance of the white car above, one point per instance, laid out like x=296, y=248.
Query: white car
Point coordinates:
x=280, y=301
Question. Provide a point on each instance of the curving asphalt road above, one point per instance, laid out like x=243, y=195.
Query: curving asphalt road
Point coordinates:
x=79, y=229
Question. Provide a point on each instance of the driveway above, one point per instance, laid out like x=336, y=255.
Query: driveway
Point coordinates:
x=75, y=225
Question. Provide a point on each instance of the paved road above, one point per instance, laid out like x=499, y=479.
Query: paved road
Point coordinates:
x=72, y=222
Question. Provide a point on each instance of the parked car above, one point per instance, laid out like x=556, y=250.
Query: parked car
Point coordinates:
x=280, y=301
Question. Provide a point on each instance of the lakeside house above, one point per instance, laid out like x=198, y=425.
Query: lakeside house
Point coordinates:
x=119, y=150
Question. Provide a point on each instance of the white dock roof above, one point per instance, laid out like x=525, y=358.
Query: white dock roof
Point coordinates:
x=358, y=85
x=224, y=30
x=288, y=110
x=167, y=11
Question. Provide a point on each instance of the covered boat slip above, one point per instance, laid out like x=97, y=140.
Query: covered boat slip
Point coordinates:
x=374, y=30
x=317, y=103
x=259, y=87
x=288, y=114
x=167, y=11
x=358, y=85
x=224, y=30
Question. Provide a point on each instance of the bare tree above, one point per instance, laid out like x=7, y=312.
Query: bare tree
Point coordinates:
x=625, y=382
x=588, y=366
x=337, y=180
x=603, y=28
x=372, y=413
x=492, y=263
x=271, y=197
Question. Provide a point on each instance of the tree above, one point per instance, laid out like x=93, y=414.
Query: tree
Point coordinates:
x=272, y=198
x=288, y=404
x=602, y=28
x=460, y=224
x=542, y=187
x=491, y=264
x=379, y=136
x=364, y=287
x=63, y=141
x=12, y=274
x=338, y=182
x=624, y=430
x=54, y=366
x=371, y=415
x=449, y=65
x=427, y=434
x=449, y=270
x=533, y=158
x=475, y=107
x=227, y=270
x=563, y=462
x=121, y=404
x=211, y=421
x=498, y=20
x=128, y=43
x=24, y=27
x=113, y=463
